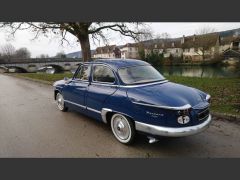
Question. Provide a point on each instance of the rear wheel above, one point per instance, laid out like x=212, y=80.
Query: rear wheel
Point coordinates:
x=123, y=128
x=60, y=102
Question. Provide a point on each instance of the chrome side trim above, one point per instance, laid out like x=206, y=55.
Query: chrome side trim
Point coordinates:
x=141, y=85
x=187, y=106
x=172, y=132
x=104, y=84
x=104, y=114
x=79, y=105
x=94, y=110
x=85, y=107
x=80, y=81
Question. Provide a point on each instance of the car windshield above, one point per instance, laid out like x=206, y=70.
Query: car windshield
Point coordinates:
x=139, y=74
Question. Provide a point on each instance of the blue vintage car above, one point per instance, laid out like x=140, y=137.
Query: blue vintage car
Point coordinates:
x=132, y=96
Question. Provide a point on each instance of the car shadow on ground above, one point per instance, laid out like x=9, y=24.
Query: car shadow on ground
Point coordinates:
x=191, y=146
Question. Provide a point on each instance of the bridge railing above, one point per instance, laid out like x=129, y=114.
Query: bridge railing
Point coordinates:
x=38, y=60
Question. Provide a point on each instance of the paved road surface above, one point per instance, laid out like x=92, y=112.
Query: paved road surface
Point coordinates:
x=32, y=126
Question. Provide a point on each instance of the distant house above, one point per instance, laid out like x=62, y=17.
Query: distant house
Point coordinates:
x=107, y=52
x=129, y=51
x=207, y=46
x=193, y=48
x=165, y=47
x=197, y=47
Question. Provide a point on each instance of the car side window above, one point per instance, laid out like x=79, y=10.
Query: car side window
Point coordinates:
x=83, y=73
x=103, y=74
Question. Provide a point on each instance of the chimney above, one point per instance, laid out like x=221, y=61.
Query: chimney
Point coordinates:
x=183, y=40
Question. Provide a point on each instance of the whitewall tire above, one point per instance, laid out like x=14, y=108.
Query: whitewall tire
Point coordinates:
x=123, y=128
x=60, y=102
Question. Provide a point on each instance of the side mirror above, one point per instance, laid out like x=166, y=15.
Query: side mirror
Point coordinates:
x=67, y=80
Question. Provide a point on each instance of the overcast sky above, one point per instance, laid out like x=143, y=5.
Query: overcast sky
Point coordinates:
x=52, y=44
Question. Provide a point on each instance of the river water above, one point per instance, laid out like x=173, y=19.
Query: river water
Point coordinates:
x=200, y=71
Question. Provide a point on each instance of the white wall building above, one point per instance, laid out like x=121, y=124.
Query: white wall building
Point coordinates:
x=129, y=51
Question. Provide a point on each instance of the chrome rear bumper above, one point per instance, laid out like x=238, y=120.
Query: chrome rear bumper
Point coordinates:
x=172, y=132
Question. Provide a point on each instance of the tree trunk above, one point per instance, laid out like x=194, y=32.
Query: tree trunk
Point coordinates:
x=85, y=46
x=203, y=55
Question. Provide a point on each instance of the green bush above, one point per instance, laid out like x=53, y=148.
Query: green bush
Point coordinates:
x=155, y=59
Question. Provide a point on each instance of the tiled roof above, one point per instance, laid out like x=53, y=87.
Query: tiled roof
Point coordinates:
x=130, y=45
x=223, y=37
x=199, y=40
x=106, y=49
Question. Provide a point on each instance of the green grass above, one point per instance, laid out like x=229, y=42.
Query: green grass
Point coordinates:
x=44, y=76
x=225, y=92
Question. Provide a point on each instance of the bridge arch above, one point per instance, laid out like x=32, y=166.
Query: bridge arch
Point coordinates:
x=32, y=68
x=3, y=69
x=57, y=68
x=16, y=69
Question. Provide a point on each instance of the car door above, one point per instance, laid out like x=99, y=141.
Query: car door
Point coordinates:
x=75, y=91
x=104, y=83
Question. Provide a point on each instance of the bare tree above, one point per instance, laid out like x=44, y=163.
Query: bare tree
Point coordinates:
x=60, y=54
x=163, y=38
x=164, y=35
x=205, y=30
x=206, y=37
x=22, y=53
x=8, y=51
x=43, y=56
x=1, y=58
x=81, y=30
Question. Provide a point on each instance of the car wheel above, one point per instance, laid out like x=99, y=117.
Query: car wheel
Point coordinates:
x=60, y=102
x=123, y=128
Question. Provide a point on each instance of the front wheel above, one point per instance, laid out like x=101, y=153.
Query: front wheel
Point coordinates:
x=123, y=128
x=60, y=102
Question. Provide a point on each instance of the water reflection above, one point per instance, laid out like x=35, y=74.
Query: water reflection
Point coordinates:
x=201, y=71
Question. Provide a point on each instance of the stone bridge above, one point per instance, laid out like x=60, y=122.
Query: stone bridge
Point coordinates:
x=34, y=65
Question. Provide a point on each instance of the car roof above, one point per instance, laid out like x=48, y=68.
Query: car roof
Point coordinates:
x=120, y=63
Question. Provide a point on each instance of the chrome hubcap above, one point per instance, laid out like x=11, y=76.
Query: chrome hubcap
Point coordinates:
x=60, y=101
x=121, y=127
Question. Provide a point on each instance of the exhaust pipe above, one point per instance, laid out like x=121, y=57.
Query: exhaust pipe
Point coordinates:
x=152, y=139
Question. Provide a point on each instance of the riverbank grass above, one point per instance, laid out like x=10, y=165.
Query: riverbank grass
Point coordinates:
x=225, y=92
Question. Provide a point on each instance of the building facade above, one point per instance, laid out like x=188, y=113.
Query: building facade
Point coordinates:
x=129, y=51
x=107, y=52
x=189, y=49
x=196, y=47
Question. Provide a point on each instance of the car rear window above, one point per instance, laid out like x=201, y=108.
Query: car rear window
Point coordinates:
x=139, y=74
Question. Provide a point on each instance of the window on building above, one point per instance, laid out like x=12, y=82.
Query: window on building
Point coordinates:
x=103, y=74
